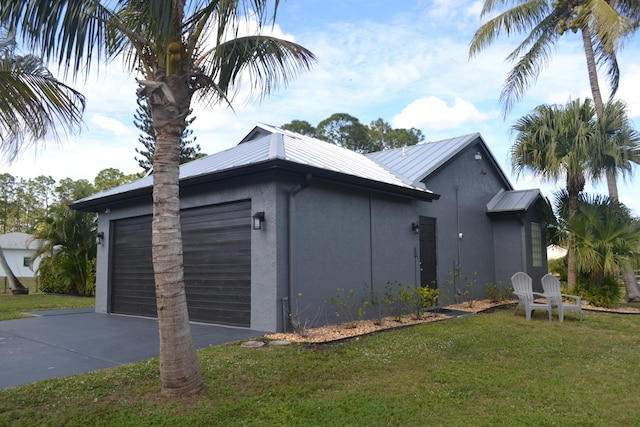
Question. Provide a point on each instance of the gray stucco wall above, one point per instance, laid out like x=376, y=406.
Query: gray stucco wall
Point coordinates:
x=341, y=238
x=351, y=240
x=264, y=247
x=510, y=253
x=465, y=186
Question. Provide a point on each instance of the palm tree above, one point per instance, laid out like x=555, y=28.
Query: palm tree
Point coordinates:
x=181, y=48
x=32, y=101
x=618, y=143
x=618, y=150
x=606, y=239
x=557, y=141
x=603, y=25
x=67, y=242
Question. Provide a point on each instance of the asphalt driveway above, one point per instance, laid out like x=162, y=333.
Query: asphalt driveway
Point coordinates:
x=66, y=342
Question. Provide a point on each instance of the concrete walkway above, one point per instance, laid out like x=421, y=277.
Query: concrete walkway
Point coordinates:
x=66, y=342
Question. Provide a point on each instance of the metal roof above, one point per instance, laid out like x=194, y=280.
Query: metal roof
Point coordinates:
x=266, y=143
x=417, y=162
x=513, y=200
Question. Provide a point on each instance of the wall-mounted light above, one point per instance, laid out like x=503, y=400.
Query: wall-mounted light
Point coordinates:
x=478, y=156
x=415, y=227
x=258, y=219
x=460, y=235
x=99, y=237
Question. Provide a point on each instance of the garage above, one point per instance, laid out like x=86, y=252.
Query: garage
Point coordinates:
x=217, y=264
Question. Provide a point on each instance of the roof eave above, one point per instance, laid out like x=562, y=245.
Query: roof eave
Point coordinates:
x=97, y=205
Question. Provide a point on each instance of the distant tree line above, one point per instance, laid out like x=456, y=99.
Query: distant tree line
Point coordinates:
x=40, y=207
x=346, y=131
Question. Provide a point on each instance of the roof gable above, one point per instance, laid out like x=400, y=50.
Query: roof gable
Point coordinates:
x=417, y=162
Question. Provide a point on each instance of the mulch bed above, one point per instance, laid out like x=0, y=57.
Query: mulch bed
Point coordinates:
x=341, y=331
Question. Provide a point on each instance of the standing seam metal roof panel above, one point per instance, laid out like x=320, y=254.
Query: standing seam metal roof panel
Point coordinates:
x=513, y=201
x=265, y=143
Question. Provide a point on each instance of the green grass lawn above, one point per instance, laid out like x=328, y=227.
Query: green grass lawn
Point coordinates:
x=490, y=369
x=14, y=306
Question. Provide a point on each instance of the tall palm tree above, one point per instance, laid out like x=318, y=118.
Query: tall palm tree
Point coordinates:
x=618, y=150
x=603, y=25
x=618, y=143
x=182, y=49
x=554, y=142
x=32, y=101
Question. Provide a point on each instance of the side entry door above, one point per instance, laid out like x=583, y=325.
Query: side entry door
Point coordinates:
x=428, y=265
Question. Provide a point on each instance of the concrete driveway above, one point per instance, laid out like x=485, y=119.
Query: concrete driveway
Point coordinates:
x=66, y=342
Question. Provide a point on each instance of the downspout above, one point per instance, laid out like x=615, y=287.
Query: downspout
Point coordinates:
x=457, y=267
x=287, y=300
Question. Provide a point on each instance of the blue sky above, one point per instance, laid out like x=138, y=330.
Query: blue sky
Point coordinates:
x=405, y=61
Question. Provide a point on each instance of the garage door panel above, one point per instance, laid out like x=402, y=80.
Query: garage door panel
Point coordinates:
x=217, y=264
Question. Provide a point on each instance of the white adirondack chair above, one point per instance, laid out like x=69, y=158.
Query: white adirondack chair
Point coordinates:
x=551, y=286
x=523, y=289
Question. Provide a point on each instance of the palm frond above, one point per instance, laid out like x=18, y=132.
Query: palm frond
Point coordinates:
x=268, y=62
x=33, y=103
x=71, y=32
x=520, y=18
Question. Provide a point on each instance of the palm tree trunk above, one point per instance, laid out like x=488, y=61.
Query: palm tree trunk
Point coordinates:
x=631, y=285
x=612, y=185
x=17, y=288
x=572, y=270
x=628, y=276
x=180, y=370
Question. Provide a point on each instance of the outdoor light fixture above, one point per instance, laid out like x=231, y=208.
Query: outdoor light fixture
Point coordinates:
x=258, y=219
x=415, y=227
x=478, y=156
x=99, y=237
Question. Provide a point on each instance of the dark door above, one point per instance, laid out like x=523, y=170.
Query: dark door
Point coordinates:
x=217, y=264
x=428, y=268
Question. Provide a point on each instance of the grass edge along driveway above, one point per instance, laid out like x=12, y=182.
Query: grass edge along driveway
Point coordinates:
x=487, y=369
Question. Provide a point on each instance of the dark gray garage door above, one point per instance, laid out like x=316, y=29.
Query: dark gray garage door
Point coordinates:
x=217, y=264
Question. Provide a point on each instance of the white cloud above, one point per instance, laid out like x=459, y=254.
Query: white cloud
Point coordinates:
x=434, y=113
x=111, y=125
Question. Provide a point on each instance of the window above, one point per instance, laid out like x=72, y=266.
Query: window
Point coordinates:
x=26, y=261
x=536, y=244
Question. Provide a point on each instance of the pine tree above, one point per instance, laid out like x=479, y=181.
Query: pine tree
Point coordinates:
x=142, y=120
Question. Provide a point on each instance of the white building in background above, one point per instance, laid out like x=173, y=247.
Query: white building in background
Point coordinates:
x=18, y=249
x=555, y=252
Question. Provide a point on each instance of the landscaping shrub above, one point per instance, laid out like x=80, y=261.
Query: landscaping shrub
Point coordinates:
x=496, y=292
x=602, y=293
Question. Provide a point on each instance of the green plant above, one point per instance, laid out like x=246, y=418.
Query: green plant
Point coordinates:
x=465, y=292
x=428, y=296
x=410, y=299
x=348, y=307
x=602, y=293
x=496, y=292
x=378, y=304
x=558, y=267
x=396, y=299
